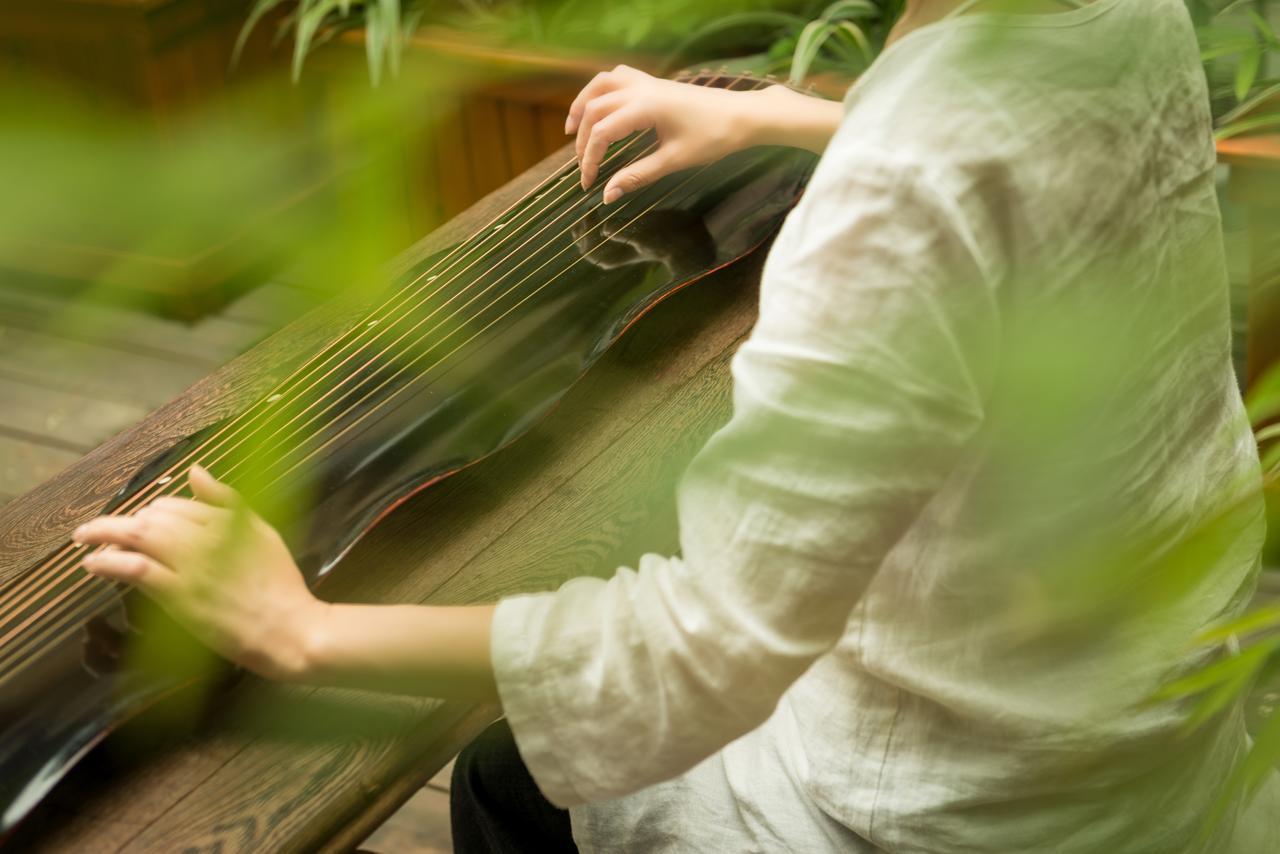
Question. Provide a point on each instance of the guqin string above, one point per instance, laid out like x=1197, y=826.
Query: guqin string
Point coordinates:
x=67, y=611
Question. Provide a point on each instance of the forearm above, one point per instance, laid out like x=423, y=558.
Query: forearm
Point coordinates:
x=781, y=116
x=404, y=649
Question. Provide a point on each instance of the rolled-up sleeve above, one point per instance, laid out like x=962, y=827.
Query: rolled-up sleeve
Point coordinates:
x=854, y=398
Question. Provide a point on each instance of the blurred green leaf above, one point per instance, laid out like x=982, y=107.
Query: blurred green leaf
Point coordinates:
x=1271, y=460
x=1227, y=691
x=1247, y=71
x=855, y=34
x=1263, y=400
x=391, y=19
x=1255, y=100
x=1249, y=775
x=311, y=14
x=1228, y=670
x=1232, y=6
x=850, y=10
x=1260, y=620
x=808, y=44
x=1257, y=123
x=1264, y=28
x=770, y=22
x=256, y=14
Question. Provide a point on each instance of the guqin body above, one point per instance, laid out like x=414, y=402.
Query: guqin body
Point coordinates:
x=457, y=360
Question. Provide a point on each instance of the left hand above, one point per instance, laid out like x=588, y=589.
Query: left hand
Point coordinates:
x=219, y=570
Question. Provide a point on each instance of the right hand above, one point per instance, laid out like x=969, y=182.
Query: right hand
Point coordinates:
x=694, y=125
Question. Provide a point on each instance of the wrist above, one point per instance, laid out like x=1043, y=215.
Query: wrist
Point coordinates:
x=758, y=122
x=303, y=650
x=781, y=116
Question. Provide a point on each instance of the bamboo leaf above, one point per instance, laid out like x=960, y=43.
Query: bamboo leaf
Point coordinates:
x=1218, y=42
x=1231, y=7
x=1249, y=775
x=391, y=24
x=1228, y=669
x=1251, y=103
x=412, y=21
x=1263, y=400
x=311, y=15
x=1266, y=434
x=845, y=49
x=855, y=33
x=1264, y=28
x=1271, y=120
x=286, y=25
x=1271, y=460
x=1223, y=695
x=1254, y=621
x=850, y=10
x=1263, y=757
x=1247, y=72
x=260, y=9
x=373, y=41
x=807, y=46
x=1221, y=51
x=777, y=21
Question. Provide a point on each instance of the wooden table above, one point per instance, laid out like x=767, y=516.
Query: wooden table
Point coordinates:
x=288, y=768
x=1255, y=185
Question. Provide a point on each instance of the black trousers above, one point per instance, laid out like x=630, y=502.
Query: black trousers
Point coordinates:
x=494, y=804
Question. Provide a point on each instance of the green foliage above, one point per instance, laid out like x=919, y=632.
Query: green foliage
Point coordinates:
x=314, y=22
x=845, y=34
x=792, y=37
x=1248, y=647
x=725, y=27
x=1236, y=44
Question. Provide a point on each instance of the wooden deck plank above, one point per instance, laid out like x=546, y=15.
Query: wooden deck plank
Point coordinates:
x=442, y=778
x=76, y=366
x=74, y=420
x=420, y=827
x=212, y=340
x=271, y=304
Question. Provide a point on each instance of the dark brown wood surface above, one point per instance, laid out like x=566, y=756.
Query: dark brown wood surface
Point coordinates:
x=289, y=768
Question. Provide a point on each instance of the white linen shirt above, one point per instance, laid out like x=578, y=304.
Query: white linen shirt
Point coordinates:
x=828, y=666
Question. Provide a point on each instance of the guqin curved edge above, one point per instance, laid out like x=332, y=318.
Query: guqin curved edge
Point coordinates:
x=420, y=429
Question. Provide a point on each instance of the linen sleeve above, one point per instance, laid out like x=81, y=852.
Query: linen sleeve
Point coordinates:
x=854, y=398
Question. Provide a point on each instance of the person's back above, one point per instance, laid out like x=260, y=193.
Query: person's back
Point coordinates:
x=991, y=690
x=1017, y=632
